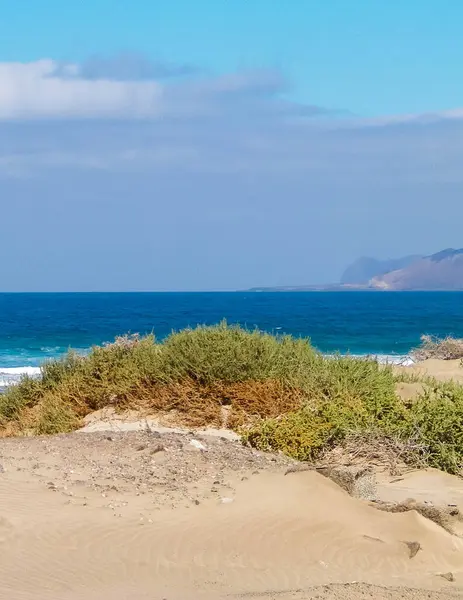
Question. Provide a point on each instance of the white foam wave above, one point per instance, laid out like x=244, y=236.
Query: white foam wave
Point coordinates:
x=403, y=360
x=393, y=359
x=19, y=370
x=11, y=375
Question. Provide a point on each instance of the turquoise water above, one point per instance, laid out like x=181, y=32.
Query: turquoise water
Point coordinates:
x=35, y=327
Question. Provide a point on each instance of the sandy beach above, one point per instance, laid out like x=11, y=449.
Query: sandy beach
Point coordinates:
x=125, y=509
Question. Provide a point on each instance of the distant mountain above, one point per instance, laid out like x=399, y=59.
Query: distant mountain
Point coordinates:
x=321, y=287
x=363, y=270
x=440, y=271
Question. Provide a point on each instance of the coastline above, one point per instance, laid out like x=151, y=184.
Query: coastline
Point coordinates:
x=227, y=462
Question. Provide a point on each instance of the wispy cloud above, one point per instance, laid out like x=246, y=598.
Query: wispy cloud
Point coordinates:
x=135, y=115
x=130, y=87
x=126, y=66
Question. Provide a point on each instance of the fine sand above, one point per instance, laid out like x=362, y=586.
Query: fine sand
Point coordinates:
x=143, y=515
x=442, y=370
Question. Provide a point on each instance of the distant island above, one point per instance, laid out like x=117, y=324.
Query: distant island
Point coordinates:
x=442, y=271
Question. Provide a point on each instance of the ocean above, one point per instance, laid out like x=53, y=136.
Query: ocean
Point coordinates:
x=38, y=327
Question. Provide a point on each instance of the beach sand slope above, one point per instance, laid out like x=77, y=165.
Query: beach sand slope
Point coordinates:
x=144, y=515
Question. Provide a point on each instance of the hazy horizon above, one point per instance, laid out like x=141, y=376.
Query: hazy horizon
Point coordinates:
x=198, y=146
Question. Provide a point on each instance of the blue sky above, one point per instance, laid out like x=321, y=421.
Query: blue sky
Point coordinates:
x=367, y=56
x=224, y=144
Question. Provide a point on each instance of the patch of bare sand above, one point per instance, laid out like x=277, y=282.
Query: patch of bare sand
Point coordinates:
x=438, y=494
x=108, y=419
x=427, y=485
x=442, y=370
x=409, y=391
x=148, y=516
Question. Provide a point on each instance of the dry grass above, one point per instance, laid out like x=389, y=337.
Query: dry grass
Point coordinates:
x=187, y=403
x=444, y=349
x=391, y=453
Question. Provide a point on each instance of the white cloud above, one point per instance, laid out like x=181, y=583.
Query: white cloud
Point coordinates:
x=400, y=119
x=130, y=87
x=30, y=90
x=134, y=89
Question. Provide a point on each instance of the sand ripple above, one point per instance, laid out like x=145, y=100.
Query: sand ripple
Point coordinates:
x=279, y=534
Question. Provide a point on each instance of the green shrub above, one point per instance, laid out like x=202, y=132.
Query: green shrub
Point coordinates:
x=232, y=354
x=19, y=397
x=55, y=416
x=352, y=396
x=435, y=419
x=314, y=402
x=301, y=434
x=134, y=368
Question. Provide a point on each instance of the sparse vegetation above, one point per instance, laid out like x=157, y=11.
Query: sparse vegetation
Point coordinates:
x=447, y=348
x=278, y=392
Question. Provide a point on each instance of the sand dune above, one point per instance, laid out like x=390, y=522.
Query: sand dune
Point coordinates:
x=255, y=533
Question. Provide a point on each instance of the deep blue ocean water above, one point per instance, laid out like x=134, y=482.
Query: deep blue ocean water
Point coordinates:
x=35, y=327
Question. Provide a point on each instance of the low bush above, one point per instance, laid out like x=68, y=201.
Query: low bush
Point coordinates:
x=230, y=354
x=435, y=419
x=279, y=392
x=429, y=428
x=188, y=366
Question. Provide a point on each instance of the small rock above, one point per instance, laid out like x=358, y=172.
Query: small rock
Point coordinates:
x=2, y=470
x=198, y=445
x=413, y=547
x=141, y=447
x=448, y=576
